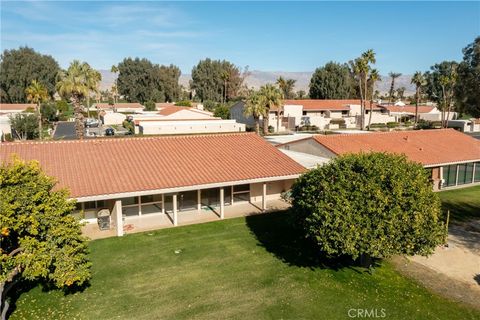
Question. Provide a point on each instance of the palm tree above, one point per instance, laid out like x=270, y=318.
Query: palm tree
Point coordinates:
x=372, y=79
x=73, y=83
x=114, y=70
x=255, y=109
x=270, y=97
x=394, y=76
x=225, y=77
x=287, y=86
x=93, y=79
x=360, y=69
x=419, y=81
x=37, y=93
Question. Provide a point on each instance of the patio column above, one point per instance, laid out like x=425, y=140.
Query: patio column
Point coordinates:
x=264, y=196
x=199, y=200
x=163, y=203
x=222, y=203
x=175, y=219
x=118, y=218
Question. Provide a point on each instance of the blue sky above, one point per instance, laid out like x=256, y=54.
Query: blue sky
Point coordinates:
x=269, y=36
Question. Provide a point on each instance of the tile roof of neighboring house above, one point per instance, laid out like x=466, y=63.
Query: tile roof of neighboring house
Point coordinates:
x=428, y=147
x=323, y=104
x=16, y=106
x=131, y=105
x=166, y=111
x=119, y=165
x=409, y=109
x=159, y=105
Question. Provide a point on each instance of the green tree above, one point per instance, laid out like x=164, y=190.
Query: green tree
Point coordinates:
x=369, y=205
x=255, y=108
x=93, y=78
x=441, y=85
x=39, y=238
x=419, y=81
x=393, y=76
x=372, y=79
x=114, y=89
x=216, y=80
x=332, y=81
x=19, y=67
x=24, y=126
x=73, y=84
x=37, y=93
x=360, y=68
x=467, y=91
x=270, y=97
x=139, y=80
x=287, y=86
x=222, y=111
x=301, y=94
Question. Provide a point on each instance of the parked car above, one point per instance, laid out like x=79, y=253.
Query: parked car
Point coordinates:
x=91, y=123
x=109, y=132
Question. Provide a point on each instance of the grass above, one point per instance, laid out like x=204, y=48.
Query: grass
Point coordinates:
x=244, y=268
x=464, y=204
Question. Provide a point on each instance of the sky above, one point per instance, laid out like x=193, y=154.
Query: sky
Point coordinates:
x=267, y=36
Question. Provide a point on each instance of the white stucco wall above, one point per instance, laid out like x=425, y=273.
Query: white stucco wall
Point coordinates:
x=274, y=190
x=183, y=127
x=113, y=118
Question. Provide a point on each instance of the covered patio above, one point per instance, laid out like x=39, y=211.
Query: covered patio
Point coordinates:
x=159, y=220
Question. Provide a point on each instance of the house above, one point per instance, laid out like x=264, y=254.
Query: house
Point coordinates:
x=453, y=158
x=152, y=182
x=9, y=109
x=468, y=126
x=182, y=120
x=425, y=112
x=324, y=114
x=132, y=107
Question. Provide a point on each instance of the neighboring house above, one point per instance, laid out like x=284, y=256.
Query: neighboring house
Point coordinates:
x=472, y=125
x=452, y=157
x=325, y=114
x=9, y=109
x=183, y=120
x=133, y=107
x=428, y=113
x=158, y=181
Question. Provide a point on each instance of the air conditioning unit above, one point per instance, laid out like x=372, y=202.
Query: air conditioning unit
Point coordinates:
x=103, y=219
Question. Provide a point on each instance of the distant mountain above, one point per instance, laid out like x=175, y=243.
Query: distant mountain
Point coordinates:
x=258, y=78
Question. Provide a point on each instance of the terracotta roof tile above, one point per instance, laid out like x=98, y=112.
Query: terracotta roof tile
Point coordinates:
x=16, y=106
x=109, y=166
x=409, y=109
x=131, y=105
x=428, y=147
x=323, y=104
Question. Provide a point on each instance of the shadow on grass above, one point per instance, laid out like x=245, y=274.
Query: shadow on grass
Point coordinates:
x=276, y=233
x=24, y=286
x=461, y=211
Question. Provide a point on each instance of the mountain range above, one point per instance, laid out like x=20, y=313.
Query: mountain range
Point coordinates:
x=258, y=78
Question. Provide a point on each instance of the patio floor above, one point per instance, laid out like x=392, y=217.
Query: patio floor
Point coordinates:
x=154, y=221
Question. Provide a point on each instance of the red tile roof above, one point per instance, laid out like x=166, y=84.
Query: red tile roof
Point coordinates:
x=16, y=106
x=130, y=105
x=118, y=165
x=409, y=109
x=428, y=147
x=166, y=111
x=323, y=104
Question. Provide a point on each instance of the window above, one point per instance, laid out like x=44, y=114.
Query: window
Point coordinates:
x=89, y=205
x=129, y=201
x=241, y=188
x=477, y=172
x=241, y=193
x=187, y=200
x=304, y=113
x=151, y=198
x=449, y=175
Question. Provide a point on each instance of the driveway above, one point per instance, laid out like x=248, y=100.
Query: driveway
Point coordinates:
x=65, y=131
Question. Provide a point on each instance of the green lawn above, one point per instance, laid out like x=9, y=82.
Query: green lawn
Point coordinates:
x=464, y=204
x=244, y=268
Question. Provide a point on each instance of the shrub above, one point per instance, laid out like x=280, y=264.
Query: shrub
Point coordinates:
x=338, y=121
x=392, y=124
x=209, y=105
x=183, y=103
x=150, y=105
x=271, y=129
x=370, y=205
x=222, y=111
